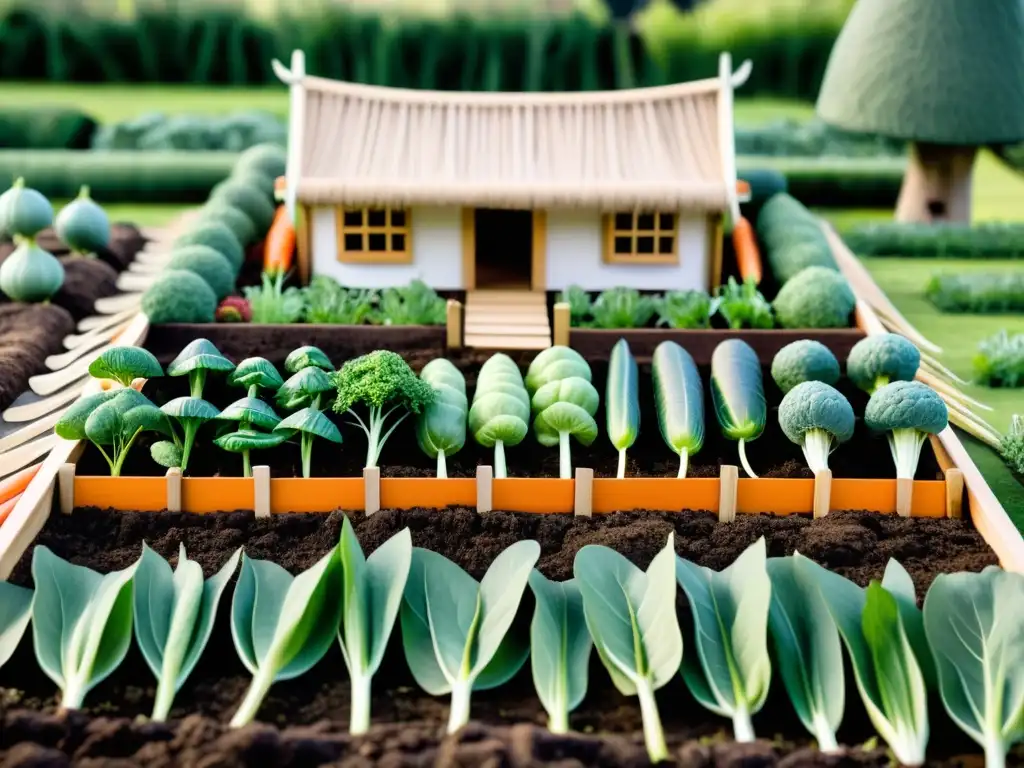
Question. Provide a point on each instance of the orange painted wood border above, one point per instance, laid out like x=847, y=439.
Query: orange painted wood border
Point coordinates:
x=542, y=495
x=144, y=494
x=202, y=495
x=779, y=496
x=315, y=494
x=880, y=496
x=408, y=492
x=667, y=494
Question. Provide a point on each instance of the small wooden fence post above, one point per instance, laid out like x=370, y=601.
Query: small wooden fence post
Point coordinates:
x=904, y=496
x=66, y=487
x=371, y=490
x=484, y=489
x=174, y=490
x=727, y=491
x=261, y=490
x=822, y=492
x=560, y=332
x=453, y=324
x=583, y=493
x=954, y=493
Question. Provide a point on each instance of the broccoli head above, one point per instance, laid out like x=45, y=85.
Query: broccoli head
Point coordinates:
x=908, y=411
x=877, y=360
x=179, y=296
x=818, y=418
x=817, y=297
x=804, y=360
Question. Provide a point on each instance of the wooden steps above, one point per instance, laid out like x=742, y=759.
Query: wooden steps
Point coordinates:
x=507, y=320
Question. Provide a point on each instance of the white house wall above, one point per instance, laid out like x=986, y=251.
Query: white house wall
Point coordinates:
x=436, y=241
x=575, y=256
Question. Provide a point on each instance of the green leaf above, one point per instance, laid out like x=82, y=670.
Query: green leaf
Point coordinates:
x=807, y=650
x=732, y=670
x=442, y=425
x=622, y=397
x=737, y=390
x=975, y=625
x=560, y=648
x=501, y=405
x=554, y=363
x=166, y=454
x=283, y=625
x=898, y=583
x=372, y=596
x=678, y=400
x=454, y=629
x=307, y=357
x=71, y=425
x=249, y=440
x=251, y=410
x=311, y=421
x=199, y=355
x=15, y=613
x=301, y=388
x=256, y=372
x=81, y=623
x=123, y=364
x=182, y=408
x=174, y=614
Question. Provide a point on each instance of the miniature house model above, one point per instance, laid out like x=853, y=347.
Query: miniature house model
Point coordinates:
x=511, y=190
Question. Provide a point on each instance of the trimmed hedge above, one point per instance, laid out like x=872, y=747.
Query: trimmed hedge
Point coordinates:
x=833, y=182
x=792, y=238
x=47, y=128
x=228, y=133
x=977, y=293
x=139, y=177
x=996, y=240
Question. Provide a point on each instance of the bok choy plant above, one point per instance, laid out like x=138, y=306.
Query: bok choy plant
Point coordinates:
x=500, y=413
x=441, y=427
x=81, y=623
x=372, y=591
x=975, y=627
x=304, y=390
x=622, y=308
x=283, y=625
x=455, y=630
x=808, y=653
x=731, y=671
x=15, y=614
x=622, y=401
x=378, y=380
x=563, y=402
x=174, y=615
x=560, y=646
x=125, y=364
x=631, y=615
x=197, y=360
x=678, y=401
x=882, y=630
x=737, y=392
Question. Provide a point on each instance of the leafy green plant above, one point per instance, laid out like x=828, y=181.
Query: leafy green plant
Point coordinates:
x=741, y=305
x=372, y=594
x=414, y=304
x=174, y=614
x=190, y=413
x=283, y=625
x=565, y=409
x=81, y=623
x=622, y=401
x=560, y=646
x=441, y=427
x=455, y=630
x=197, y=361
x=1012, y=446
x=975, y=625
x=731, y=671
x=678, y=401
x=271, y=303
x=907, y=412
x=737, y=392
x=999, y=361
x=631, y=615
x=555, y=363
x=305, y=357
x=124, y=365
x=977, y=292
x=818, y=418
x=377, y=380
x=684, y=309
x=15, y=614
x=500, y=412
x=579, y=305
x=329, y=302
x=255, y=374
x=305, y=388
x=309, y=424
x=883, y=632
x=808, y=654
x=622, y=308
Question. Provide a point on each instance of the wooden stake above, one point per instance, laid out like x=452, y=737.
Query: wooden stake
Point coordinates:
x=904, y=496
x=822, y=492
x=583, y=499
x=727, y=492
x=173, y=490
x=560, y=334
x=454, y=324
x=261, y=490
x=371, y=490
x=66, y=488
x=954, y=493
x=484, y=489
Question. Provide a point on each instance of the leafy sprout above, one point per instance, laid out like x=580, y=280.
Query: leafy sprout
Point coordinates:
x=579, y=305
x=622, y=308
x=414, y=304
x=190, y=413
x=742, y=305
x=304, y=388
x=244, y=441
x=256, y=373
x=684, y=309
x=272, y=304
x=308, y=423
x=249, y=412
x=196, y=360
x=124, y=364
x=330, y=303
x=305, y=357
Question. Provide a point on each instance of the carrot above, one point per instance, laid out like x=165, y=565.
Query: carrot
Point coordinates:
x=7, y=507
x=18, y=482
x=279, y=249
x=748, y=257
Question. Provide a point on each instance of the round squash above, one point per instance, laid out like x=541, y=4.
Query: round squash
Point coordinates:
x=30, y=273
x=83, y=224
x=24, y=212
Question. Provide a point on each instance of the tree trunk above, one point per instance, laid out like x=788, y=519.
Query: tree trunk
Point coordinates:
x=937, y=184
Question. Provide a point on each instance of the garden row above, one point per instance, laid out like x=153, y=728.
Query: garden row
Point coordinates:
x=756, y=619
x=167, y=176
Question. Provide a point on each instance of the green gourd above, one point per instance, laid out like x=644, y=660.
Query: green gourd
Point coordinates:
x=83, y=224
x=30, y=273
x=24, y=212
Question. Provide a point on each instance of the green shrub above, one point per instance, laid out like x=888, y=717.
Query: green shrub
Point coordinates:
x=995, y=240
x=834, y=182
x=999, y=361
x=792, y=238
x=227, y=133
x=812, y=138
x=216, y=235
x=268, y=160
x=208, y=264
x=240, y=225
x=45, y=128
x=179, y=296
x=977, y=292
x=241, y=194
x=817, y=297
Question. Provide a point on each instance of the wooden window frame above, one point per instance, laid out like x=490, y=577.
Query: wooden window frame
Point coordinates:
x=611, y=231
x=388, y=229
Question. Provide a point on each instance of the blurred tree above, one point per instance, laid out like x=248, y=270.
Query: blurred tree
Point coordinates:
x=623, y=16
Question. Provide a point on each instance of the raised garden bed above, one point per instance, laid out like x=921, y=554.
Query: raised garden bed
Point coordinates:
x=312, y=711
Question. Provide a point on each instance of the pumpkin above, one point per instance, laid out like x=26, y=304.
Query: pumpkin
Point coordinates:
x=83, y=224
x=30, y=273
x=24, y=212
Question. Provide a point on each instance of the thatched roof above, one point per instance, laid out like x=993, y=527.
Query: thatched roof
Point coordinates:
x=664, y=147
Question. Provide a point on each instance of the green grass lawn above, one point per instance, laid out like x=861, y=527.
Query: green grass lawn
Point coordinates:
x=140, y=215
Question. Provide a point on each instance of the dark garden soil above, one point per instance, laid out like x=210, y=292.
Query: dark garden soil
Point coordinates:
x=311, y=712
x=771, y=455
